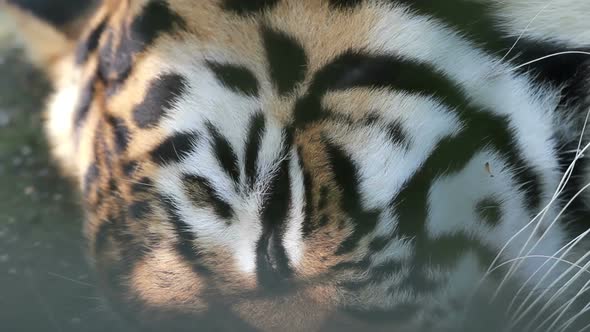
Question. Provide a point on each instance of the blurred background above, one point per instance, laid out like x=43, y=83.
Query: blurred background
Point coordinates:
x=45, y=282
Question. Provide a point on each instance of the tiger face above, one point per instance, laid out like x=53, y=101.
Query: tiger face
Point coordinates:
x=312, y=165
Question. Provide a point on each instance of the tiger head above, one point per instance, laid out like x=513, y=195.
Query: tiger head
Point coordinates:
x=253, y=165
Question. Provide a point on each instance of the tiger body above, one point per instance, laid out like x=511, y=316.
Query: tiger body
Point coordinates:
x=290, y=164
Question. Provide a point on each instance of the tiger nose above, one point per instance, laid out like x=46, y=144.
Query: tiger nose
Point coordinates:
x=272, y=264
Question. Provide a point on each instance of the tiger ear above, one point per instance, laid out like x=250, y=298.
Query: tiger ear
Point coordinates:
x=47, y=28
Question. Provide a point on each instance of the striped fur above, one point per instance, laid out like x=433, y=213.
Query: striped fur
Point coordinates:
x=315, y=165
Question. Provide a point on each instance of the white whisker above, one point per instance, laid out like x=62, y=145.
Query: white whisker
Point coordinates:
x=541, y=59
x=562, y=184
x=574, y=318
x=570, y=245
x=578, y=155
x=81, y=283
x=556, y=194
x=560, y=290
x=525, y=312
x=526, y=28
x=566, y=306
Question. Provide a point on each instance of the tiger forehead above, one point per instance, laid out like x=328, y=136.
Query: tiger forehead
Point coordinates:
x=149, y=52
x=322, y=28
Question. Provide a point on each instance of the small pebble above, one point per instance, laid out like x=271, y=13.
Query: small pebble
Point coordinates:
x=75, y=321
x=26, y=150
x=12, y=271
x=29, y=190
x=5, y=119
x=4, y=258
x=17, y=161
x=43, y=172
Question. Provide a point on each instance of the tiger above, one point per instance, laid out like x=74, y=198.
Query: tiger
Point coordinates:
x=325, y=165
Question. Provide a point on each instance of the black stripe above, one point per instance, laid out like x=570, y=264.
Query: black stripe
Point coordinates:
x=286, y=58
x=346, y=176
x=162, y=94
x=323, y=200
x=155, y=19
x=379, y=243
x=130, y=167
x=105, y=70
x=237, y=78
x=577, y=222
x=308, y=226
x=139, y=210
x=185, y=245
x=143, y=185
x=113, y=188
x=120, y=132
x=90, y=44
x=90, y=177
x=394, y=129
x=225, y=154
x=102, y=148
x=249, y=7
x=308, y=110
x=566, y=72
x=255, y=135
x=84, y=104
x=102, y=236
x=489, y=211
x=473, y=19
x=175, y=148
x=116, y=64
x=272, y=267
x=194, y=185
x=345, y=4
x=56, y=12
x=353, y=69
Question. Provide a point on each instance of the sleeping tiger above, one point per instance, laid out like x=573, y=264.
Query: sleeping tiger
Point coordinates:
x=326, y=165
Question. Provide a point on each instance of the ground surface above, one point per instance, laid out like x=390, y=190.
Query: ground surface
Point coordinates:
x=45, y=283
